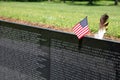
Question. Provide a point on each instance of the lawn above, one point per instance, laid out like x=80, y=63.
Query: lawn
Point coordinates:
x=64, y=15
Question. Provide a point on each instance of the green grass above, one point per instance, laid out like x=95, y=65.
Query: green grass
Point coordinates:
x=64, y=15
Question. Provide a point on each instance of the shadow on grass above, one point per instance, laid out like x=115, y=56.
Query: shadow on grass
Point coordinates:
x=84, y=3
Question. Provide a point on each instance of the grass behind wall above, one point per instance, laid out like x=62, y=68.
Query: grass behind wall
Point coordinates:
x=64, y=15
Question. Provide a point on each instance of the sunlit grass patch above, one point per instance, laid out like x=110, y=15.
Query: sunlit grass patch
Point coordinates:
x=64, y=15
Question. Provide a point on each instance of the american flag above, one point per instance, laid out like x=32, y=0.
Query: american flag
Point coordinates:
x=81, y=28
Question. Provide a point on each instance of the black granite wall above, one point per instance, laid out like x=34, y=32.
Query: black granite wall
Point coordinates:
x=32, y=53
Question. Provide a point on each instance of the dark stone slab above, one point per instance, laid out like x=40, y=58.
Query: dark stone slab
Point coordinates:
x=32, y=53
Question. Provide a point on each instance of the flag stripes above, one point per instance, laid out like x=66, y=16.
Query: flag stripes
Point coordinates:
x=80, y=30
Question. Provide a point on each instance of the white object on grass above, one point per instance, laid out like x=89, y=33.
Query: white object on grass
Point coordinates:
x=100, y=33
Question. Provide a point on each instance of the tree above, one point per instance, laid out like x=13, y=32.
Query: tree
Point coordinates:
x=116, y=2
x=90, y=2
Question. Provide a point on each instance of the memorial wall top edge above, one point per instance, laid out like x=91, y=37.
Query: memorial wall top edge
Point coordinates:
x=36, y=28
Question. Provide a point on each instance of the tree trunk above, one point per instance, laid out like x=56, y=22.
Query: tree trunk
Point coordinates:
x=116, y=2
x=90, y=2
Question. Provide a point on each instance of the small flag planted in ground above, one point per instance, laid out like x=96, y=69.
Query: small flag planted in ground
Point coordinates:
x=81, y=28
